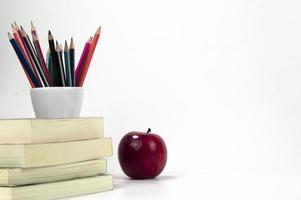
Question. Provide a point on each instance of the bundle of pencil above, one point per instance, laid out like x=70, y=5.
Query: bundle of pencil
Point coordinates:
x=58, y=70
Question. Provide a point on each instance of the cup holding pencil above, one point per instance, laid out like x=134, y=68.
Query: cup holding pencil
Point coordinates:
x=57, y=102
x=56, y=84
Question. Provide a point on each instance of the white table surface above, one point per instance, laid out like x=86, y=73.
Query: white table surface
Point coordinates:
x=206, y=186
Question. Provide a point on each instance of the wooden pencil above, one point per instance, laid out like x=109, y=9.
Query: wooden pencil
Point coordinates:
x=21, y=47
x=19, y=33
x=33, y=56
x=61, y=58
x=50, y=65
x=72, y=62
x=39, y=52
x=48, y=59
x=89, y=58
x=27, y=37
x=82, y=60
x=33, y=29
x=25, y=64
x=60, y=64
x=27, y=54
x=55, y=62
x=19, y=41
x=67, y=65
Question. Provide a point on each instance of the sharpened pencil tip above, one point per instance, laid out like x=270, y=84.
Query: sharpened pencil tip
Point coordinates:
x=22, y=28
x=9, y=36
x=12, y=25
x=98, y=30
x=72, y=44
x=50, y=37
x=32, y=26
x=66, y=46
x=15, y=23
x=23, y=32
x=34, y=37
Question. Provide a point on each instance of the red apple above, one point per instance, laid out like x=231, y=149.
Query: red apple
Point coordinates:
x=142, y=155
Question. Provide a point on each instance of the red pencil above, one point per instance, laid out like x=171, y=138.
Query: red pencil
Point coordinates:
x=31, y=59
x=18, y=34
x=40, y=55
x=89, y=58
x=82, y=60
x=18, y=39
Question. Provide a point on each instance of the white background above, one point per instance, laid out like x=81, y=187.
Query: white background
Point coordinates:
x=220, y=81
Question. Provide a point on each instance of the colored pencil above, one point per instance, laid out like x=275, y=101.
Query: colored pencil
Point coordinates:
x=21, y=47
x=26, y=66
x=89, y=58
x=19, y=33
x=48, y=59
x=50, y=65
x=61, y=58
x=33, y=56
x=29, y=44
x=19, y=40
x=60, y=64
x=33, y=29
x=39, y=52
x=27, y=54
x=54, y=57
x=82, y=60
x=27, y=37
x=72, y=62
x=58, y=69
x=67, y=65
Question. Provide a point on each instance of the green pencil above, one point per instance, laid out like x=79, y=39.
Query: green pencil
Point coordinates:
x=67, y=65
x=50, y=65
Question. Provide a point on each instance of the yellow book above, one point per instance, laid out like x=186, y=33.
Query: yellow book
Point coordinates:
x=25, y=176
x=39, y=155
x=58, y=190
x=30, y=131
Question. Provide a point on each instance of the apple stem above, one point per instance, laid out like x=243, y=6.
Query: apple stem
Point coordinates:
x=149, y=130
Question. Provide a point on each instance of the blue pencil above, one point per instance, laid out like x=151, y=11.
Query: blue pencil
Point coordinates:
x=72, y=62
x=24, y=62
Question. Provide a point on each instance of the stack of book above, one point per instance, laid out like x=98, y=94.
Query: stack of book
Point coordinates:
x=53, y=158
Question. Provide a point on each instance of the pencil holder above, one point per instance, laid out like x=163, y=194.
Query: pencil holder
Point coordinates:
x=57, y=102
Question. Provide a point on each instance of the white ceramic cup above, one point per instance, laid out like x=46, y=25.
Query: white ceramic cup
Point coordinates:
x=57, y=102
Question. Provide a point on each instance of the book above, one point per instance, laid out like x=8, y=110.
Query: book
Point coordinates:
x=39, y=155
x=31, y=131
x=25, y=176
x=57, y=190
